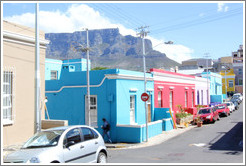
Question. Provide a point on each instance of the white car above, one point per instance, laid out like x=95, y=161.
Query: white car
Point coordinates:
x=68, y=144
x=238, y=95
x=231, y=106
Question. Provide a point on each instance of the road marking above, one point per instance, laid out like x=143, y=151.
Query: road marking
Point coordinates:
x=198, y=145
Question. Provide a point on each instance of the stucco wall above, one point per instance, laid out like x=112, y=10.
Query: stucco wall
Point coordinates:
x=22, y=58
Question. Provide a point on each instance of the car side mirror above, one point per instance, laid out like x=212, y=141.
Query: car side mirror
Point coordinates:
x=70, y=143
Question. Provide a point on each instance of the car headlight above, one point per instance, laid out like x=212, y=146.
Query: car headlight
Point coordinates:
x=208, y=117
x=34, y=160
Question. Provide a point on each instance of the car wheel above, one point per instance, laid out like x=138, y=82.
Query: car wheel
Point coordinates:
x=213, y=120
x=102, y=158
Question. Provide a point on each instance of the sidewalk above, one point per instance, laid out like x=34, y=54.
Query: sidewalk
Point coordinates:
x=166, y=135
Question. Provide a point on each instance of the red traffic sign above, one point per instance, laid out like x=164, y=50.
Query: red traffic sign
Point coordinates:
x=144, y=97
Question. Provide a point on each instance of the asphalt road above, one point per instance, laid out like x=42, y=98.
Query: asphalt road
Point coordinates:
x=212, y=143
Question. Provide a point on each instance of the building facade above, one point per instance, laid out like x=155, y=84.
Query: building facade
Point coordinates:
x=115, y=94
x=228, y=81
x=238, y=68
x=18, y=120
x=173, y=89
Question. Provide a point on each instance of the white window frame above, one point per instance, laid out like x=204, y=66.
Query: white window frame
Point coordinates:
x=55, y=76
x=186, y=99
x=8, y=95
x=171, y=100
x=160, y=99
x=93, y=107
x=230, y=82
x=192, y=96
x=133, y=109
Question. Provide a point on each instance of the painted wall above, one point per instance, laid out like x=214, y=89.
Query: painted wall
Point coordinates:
x=19, y=56
x=215, y=86
x=113, y=87
x=226, y=78
x=166, y=82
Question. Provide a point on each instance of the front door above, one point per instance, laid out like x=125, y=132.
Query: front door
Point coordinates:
x=149, y=108
x=132, y=109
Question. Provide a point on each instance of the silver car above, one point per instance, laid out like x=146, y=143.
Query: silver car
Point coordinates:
x=68, y=144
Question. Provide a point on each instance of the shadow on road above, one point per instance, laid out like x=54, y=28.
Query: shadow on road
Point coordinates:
x=230, y=141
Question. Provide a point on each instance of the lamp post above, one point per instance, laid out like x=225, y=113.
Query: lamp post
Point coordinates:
x=206, y=56
x=87, y=49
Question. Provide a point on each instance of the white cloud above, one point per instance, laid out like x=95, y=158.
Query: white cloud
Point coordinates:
x=222, y=7
x=173, y=51
x=82, y=16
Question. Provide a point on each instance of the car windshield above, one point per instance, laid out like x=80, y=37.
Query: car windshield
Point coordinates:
x=43, y=139
x=236, y=96
x=228, y=104
x=220, y=107
x=204, y=111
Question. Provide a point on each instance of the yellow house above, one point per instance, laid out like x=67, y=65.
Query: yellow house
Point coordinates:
x=228, y=78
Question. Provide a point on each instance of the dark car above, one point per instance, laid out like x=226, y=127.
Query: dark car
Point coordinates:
x=222, y=109
x=208, y=114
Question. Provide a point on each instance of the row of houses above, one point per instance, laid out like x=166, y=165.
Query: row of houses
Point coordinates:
x=114, y=93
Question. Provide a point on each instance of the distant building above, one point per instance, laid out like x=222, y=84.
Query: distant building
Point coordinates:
x=238, y=68
x=196, y=64
x=228, y=81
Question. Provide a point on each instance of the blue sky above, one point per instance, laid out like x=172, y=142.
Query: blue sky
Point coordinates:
x=195, y=28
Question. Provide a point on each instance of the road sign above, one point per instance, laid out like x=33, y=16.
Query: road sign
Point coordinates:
x=144, y=97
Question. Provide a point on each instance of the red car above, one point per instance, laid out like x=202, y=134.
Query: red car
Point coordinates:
x=208, y=114
x=222, y=109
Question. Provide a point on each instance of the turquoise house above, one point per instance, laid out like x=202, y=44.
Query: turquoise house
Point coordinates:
x=215, y=90
x=115, y=94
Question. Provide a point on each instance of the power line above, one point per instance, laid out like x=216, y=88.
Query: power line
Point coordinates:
x=194, y=22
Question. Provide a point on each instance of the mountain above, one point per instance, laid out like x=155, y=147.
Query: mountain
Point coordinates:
x=108, y=48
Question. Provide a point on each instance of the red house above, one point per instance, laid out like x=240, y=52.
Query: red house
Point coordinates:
x=172, y=89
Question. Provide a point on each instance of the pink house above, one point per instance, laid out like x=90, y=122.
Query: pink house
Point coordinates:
x=172, y=89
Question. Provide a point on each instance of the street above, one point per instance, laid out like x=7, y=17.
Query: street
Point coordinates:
x=221, y=142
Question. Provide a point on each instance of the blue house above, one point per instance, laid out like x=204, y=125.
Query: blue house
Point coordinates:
x=115, y=94
x=215, y=90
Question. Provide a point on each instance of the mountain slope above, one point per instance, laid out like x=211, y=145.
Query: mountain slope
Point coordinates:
x=108, y=48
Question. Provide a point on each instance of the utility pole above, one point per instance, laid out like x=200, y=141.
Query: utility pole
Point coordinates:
x=143, y=33
x=88, y=76
x=79, y=47
x=207, y=56
x=37, y=73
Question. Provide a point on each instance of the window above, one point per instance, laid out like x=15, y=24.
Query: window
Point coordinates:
x=53, y=74
x=159, y=99
x=198, y=98
x=202, y=97
x=240, y=71
x=73, y=135
x=186, y=100
x=192, y=99
x=132, y=109
x=88, y=134
x=93, y=110
x=8, y=85
x=240, y=81
x=231, y=83
x=171, y=100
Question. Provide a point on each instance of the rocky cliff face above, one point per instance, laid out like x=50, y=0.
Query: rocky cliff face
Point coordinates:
x=108, y=48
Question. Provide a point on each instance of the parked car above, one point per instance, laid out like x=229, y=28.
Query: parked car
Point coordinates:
x=68, y=144
x=231, y=106
x=236, y=105
x=208, y=114
x=237, y=100
x=222, y=110
x=238, y=96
